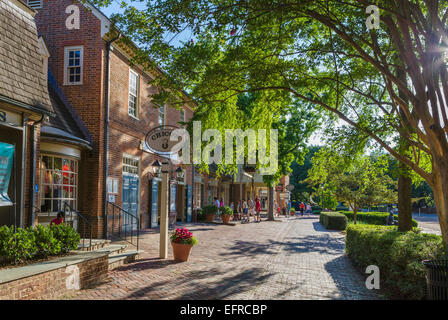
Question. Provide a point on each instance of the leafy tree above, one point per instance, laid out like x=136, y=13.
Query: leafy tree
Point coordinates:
x=359, y=183
x=302, y=189
x=321, y=52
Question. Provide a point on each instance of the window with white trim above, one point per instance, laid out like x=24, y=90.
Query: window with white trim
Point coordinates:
x=130, y=164
x=162, y=115
x=35, y=4
x=73, y=65
x=182, y=115
x=133, y=94
x=59, y=183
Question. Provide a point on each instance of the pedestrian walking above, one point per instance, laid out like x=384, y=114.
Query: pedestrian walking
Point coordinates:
x=302, y=208
x=258, y=209
x=245, y=212
x=308, y=209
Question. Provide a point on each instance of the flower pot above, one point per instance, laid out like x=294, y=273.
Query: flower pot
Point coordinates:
x=209, y=217
x=181, y=251
x=293, y=213
x=225, y=218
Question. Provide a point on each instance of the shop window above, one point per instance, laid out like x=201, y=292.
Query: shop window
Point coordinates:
x=59, y=183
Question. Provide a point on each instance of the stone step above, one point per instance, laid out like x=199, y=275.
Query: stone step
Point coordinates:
x=119, y=259
x=96, y=244
x=113, y=249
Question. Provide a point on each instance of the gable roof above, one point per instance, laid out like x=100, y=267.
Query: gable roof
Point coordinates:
x=22, y=80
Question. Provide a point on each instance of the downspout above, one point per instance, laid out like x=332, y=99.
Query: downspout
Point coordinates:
x=106, y=133
x=32, y=190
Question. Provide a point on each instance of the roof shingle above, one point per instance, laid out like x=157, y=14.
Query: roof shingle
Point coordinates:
x=21, y=65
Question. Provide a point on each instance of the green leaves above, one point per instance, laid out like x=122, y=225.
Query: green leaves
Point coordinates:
x=38, y=242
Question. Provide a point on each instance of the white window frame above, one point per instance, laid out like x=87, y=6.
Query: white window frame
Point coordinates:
x=66, y=66
x=37, y=4
x=182, y=115
x=164, y=115
x=137, y=89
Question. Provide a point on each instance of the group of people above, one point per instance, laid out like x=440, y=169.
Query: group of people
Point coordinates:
x=305, y=208
x=243, y=210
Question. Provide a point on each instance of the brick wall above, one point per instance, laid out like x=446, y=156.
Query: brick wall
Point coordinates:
x=125, y=132
x=52, y=284
x=87, y=99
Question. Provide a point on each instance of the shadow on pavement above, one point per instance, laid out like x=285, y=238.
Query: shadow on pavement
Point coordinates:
x=217, y=288
x=351, y=285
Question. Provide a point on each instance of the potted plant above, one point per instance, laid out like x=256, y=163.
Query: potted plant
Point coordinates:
x=226, y=213
x=292, y=212
x=210, y=211
x=182, y=241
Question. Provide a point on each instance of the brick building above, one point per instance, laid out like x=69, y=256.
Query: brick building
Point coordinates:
x=91, y=67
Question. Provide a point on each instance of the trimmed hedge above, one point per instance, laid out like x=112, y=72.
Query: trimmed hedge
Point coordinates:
x=36, y=242
x=375, y=218
x=398, y=256
x=333, y=220
x=210, y=209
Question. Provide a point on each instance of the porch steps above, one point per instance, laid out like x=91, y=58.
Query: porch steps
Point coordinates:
x=119, y=259
x=96, y=244
x=119, y=254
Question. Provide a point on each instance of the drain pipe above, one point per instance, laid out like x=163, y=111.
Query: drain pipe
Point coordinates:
x=32, y=190
x=106, y=133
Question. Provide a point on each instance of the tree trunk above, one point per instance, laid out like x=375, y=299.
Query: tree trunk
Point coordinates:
x=355, y=211
x=271, y=204
x=404, y=199
x=440, y=189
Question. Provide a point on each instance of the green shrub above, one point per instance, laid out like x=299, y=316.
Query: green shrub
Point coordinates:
x=31, y=243
x=210, y=209
x=376, y=218
x=200, y=216
x=47, y=244
x=397, y=254
x=19, y=246
x=66, y=236
x=227, y=211
x=333, y=220
x=316, y=210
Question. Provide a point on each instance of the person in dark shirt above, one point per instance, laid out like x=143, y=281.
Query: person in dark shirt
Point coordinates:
x=58, y=220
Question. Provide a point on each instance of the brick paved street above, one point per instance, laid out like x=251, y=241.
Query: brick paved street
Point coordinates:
x=293, y=258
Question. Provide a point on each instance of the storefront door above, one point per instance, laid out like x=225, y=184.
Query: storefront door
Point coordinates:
x=130, y=200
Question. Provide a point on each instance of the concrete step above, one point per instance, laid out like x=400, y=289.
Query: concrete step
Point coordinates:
x=119, y=259
x=113, y=249
x=96, y=244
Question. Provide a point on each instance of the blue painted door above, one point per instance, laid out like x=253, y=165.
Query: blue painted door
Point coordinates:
x=154, y=204
x=130, y=201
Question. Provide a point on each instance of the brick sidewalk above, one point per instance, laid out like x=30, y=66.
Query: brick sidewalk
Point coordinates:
x=293, y=258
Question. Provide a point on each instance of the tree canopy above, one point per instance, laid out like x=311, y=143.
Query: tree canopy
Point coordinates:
x=319, y=51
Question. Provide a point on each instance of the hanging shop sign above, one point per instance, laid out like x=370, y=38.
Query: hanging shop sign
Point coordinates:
x=6, y=162
x=158, y=140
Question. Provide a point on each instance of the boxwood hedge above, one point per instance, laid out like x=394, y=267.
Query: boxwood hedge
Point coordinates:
x=376, y=218
x=333, y=220
x=398, y=255
x=36, y=242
